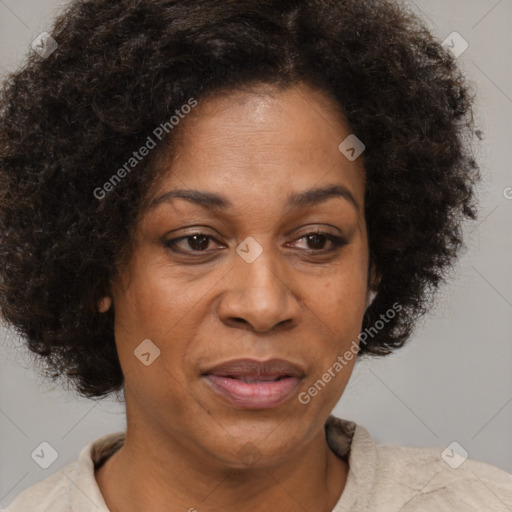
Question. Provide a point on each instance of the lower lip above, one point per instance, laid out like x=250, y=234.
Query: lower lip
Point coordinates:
x=257, y=395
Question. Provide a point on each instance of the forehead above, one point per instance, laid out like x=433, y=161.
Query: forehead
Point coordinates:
x=262, y=143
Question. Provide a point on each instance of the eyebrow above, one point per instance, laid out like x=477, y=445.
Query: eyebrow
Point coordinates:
x=212, y=201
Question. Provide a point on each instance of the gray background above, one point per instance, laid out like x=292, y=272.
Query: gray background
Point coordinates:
x=452, y=382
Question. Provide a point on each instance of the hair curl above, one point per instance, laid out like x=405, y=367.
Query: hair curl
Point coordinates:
x=71, y=119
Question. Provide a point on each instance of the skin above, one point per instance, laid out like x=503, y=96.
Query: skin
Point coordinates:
x=185, y=445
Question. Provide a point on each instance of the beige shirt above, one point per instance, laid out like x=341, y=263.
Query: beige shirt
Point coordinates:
x=381, y=478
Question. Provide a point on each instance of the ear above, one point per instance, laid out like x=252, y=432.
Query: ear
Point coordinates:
x=104, y=304
x=373, y=285
x=374, y=278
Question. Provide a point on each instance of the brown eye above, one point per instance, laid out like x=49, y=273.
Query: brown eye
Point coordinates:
x=196, y=242
x=317, y=240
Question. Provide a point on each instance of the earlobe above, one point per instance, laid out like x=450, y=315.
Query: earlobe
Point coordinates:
x=104, y=304
x=375, y=279
x=370, y=298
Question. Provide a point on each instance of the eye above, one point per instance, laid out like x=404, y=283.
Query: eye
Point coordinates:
x=317, y=240
x=197, y=242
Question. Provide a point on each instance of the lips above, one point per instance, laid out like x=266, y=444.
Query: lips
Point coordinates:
x=250, y=369
x=251, y=384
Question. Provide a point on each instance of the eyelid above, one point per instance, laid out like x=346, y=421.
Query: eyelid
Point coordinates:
x=336, y=241
x=170, y=243
x=315, y=227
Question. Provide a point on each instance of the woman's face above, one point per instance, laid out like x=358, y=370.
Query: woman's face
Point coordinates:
x=252, y=285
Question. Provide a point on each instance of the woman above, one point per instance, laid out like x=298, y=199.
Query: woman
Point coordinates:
x=213, y=208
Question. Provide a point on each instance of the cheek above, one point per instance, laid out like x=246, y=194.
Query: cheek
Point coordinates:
x=342, y=312
x=339, y=305
x=338, y=302
x=151, y=309
x=341, y=299
x=150, y=306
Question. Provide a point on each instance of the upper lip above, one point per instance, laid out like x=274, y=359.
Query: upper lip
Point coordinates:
x=251, y=367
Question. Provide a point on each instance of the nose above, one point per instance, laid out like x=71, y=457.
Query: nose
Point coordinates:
x=260, y=295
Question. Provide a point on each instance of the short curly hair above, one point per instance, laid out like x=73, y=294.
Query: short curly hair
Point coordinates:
x=123, y=67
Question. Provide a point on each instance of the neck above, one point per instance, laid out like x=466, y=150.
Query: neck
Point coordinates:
x=158, y=473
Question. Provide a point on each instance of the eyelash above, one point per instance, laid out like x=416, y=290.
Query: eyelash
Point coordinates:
x=336, y=241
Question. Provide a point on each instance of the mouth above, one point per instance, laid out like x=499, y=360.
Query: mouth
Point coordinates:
x=250, y=384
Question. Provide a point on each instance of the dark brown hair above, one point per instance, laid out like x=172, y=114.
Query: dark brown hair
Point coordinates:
x=69, y=121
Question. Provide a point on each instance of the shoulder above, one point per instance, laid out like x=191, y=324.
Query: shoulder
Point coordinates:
x=73, y=487
x=52, y=493
x=385, y=477
x=442, y=480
